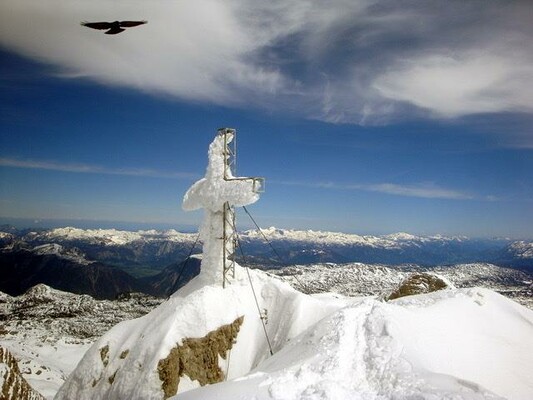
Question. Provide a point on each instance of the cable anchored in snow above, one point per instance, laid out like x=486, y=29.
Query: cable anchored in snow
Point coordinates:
x=261, y=317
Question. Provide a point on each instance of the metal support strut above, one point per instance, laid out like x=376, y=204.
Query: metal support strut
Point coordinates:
x=229, y=236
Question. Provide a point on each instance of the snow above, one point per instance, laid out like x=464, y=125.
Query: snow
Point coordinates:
x=48, y=330
x=392, y=241
x=458, y=344
x=72, y=254
x=212, y=191
x=522, y=249
x=45, y=365
x=455, y=344
x=402, y=236
x=357, y=279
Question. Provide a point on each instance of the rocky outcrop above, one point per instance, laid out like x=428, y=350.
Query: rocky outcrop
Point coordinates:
x=13, y=385
x=198, y=358
x=418, y=283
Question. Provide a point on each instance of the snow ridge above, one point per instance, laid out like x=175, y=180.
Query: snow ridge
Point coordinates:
x=370, y=350
x=72, y=254
x=396, y=240
x=110, y=237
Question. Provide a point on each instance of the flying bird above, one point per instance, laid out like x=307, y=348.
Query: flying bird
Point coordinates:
x=113, y=27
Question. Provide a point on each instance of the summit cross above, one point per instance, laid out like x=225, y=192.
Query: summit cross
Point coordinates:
x=218, y=193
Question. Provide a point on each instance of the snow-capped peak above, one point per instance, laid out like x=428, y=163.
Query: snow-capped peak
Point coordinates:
x=110, y=237
x=401, y=236
x=72, y=254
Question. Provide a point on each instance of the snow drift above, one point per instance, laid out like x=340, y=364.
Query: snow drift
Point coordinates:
x=452, y=344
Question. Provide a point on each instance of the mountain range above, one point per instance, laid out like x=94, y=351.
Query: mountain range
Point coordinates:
x=144, y=252
x=107, y=262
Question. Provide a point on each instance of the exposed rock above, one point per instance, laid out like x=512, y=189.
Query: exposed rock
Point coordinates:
x=111, y=379
x=104, y=355
x=198, y=358
x=418, y=283
x=13, y=384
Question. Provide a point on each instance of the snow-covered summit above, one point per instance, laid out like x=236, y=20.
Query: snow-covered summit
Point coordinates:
x=72, y=254
x=194, y=312
x=6, y=235
x=522, y=249
x=402, y=236
x=110, y=237
x=259, y=338
x=446, y=344
x=326, y=346
x=392, y=241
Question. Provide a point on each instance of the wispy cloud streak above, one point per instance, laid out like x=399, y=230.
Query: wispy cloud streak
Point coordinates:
x=93, y=169
x=423, y=190
x=427, y=191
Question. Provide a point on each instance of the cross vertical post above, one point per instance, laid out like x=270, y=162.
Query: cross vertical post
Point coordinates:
x=229, y=236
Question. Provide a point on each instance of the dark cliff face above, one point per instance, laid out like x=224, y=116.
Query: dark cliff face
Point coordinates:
x=172, y=277
x=21, y=269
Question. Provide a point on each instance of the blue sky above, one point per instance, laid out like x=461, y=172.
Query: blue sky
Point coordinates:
x=364, y=116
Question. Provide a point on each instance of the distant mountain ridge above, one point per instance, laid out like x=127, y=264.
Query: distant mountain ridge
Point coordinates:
x=149, y=251
x=308, y=247
x=106, y=262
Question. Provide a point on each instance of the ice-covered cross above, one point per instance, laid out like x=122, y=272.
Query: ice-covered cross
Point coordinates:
x=212, y=192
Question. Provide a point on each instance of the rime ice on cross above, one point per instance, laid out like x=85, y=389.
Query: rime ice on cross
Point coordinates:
x=212, y=192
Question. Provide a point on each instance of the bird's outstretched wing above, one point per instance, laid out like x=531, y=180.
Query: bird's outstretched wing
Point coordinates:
x=97, y=25
x=129, y=24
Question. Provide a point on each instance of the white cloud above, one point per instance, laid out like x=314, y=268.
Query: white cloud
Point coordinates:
x=352, y=61
x=461, y=85
x=192, y=50
x=92, y=169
